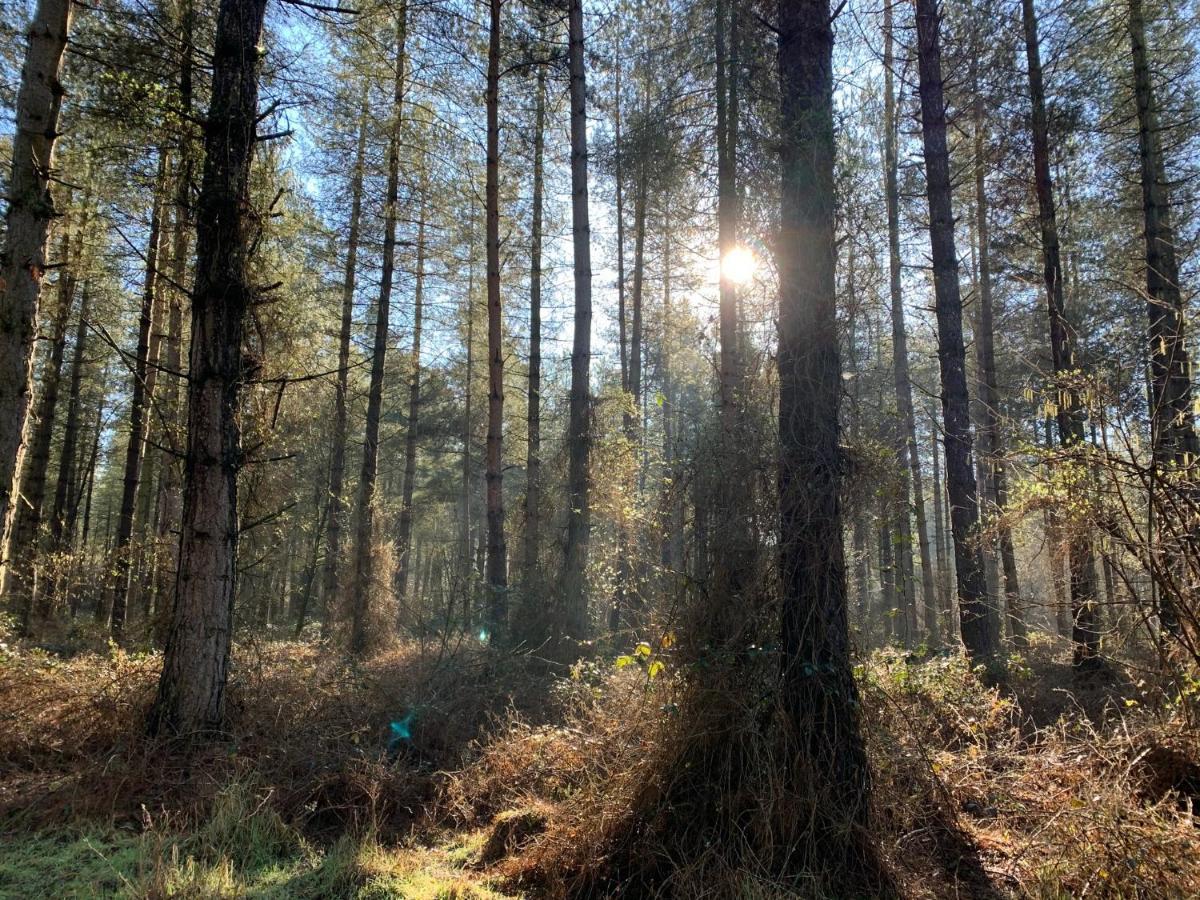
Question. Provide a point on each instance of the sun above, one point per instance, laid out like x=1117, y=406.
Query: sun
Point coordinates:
x=738, y=265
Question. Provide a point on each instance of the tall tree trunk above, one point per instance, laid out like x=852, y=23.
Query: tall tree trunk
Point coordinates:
x=1173, y=433
x=364, y=550
x=27, y=225
x=19, y=581
x=991, y=440
x=533, y=461
x=191, y=690
x=335, y=517
x=940, y=541
x=579, y=436
x=1085, y=633
x=908, y=450
x=727, y=224
x=960, y=477
x=404, y=531
x=170, y=481
x=464, y=522
x=497, y=553
x=828, y=767
x=66, y=486
x=138, y=404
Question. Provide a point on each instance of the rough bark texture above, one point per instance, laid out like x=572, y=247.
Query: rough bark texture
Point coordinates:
x=960, y=477
x=336, y=513
x=191, y=691
x=819, y=698
x=27, y=224
x=364, y=551
x=497, y=554
x=19, y=581
x=533, y=459
x=1085, y=633
x=575, y=597
x=66, y=486
x=908, y=453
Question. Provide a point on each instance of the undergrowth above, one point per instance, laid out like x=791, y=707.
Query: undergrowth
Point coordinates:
x=503, y=782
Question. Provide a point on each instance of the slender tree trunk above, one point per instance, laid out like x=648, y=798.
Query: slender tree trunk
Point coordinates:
x=191, y=691
x=138, y=407
x=404, y=532
x=575, y=597
x=66, y=487
x=1084, y=633
x=533, y=463
x=940, y=541
x=464, y=536
x=20, y=584
x=960, y=478
x=991, y=440
x=1173, y=434
x=497, y=553
x=727, y=226
x=335, y=517
x=908, y=450
x=364, y=551
x=27, y=225
x=819, y=697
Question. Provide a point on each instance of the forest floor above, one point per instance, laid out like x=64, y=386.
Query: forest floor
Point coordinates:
x=433, y=772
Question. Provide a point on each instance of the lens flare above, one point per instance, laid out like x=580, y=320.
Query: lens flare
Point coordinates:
x=738, y=265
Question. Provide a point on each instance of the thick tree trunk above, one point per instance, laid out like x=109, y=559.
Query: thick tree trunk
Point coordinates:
x=960, y=477
x=66, y=486
x=991, y=440
x=20, y=577
x=575, y=598
x=27, y=225
x=497, y=553
x=335, y=517
x=1084, y=632
x=404, y=530
x=364, y=550
x=533, y=460
x=908, y=452
x=829, y=767
x=191, y=691
x=138, y=404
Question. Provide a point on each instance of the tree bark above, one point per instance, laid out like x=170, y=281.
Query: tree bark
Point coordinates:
x=1085, y=633
x=66, y=486
x=577, y=618
x=404, y=531
x=27, y=225
x=20, y=577
x=533, y=461
x=497, y=553
x=364, y=551
x=960, y=478
x=335, y=519
x=191, y=690
x=138, y=403
x=908, y=451
x=991, y=439
x=819, y=697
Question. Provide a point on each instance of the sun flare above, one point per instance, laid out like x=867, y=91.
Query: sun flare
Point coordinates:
x=738, y=265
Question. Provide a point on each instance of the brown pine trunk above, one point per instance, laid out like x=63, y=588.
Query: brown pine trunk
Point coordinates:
x=191, y=690
x=336, y=514
x=497, y=553
x=908, y=452
x=364, y=551
x=66, y=487
x=575, y=598
x=20, y=578
x=404, y=530
x=138, y=405
x=828, y=766
x=27, y=225
x=533, y=461
x=991, y=440
x=960, y=477
x=1085, y=633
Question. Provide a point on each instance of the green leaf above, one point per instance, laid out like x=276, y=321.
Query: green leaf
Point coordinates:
x=642, y=649
x=656, y=668
x=623, y=661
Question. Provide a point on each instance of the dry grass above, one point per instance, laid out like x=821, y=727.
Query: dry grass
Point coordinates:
x=508, y=789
